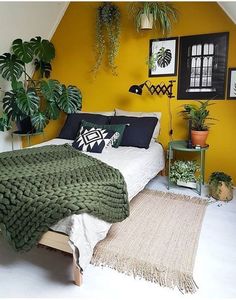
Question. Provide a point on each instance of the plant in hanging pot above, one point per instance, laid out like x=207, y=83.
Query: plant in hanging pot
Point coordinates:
x=221, y=186
x=159, y=15
x=107, y=35
x=31, y=102
x=198, y=117
x=185, y=173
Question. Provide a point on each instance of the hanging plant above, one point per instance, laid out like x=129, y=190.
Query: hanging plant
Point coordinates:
x=107, y=35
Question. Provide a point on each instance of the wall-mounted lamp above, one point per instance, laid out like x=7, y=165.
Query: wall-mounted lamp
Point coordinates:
x=160, y=88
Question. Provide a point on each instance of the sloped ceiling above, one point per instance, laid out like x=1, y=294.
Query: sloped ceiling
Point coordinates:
x=230, y=9
x=26, y=20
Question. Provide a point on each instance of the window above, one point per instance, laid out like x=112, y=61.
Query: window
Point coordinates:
x=200, y=59
x=202, y=66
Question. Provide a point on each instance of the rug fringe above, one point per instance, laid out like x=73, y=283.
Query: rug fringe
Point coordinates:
x=157, y=274
x=181, y=197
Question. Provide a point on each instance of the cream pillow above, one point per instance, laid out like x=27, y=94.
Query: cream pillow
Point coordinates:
x=120, y=112
x=105, y=113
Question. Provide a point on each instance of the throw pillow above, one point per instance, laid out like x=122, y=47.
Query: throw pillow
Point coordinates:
x=120, y=128
x=94, y=139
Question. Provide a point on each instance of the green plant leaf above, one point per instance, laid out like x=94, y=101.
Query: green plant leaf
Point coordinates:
x=11, y=108
x=70, y=99
x=4, y=122
x=51, y=90
x=39, y=121
x=28, y=101
x=52, y=111
x=23, y=50
x=43, y=49
x=45, y=68
x=11, y=67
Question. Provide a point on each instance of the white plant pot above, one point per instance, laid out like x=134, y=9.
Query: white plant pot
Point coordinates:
x=146, y=21
x=192, y=185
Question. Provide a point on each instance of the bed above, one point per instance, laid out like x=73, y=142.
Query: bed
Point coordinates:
x=78, y=234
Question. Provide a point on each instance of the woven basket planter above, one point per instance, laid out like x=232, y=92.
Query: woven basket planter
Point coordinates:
x=221, y=191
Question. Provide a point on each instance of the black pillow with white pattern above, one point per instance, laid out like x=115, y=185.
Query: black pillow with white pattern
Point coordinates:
x=94, y=139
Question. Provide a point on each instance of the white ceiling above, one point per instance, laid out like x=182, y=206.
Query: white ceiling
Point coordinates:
x=230, y=9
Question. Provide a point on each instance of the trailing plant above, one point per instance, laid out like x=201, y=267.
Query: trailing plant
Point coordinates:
x=164, y=14
x=39, y=99
x=217, y=178
x=184, y=170
x=107, y=35
x=199, y=115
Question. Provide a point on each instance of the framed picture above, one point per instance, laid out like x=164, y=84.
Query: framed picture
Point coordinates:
x=231, y=91
x=203, y=66
x=163, y=55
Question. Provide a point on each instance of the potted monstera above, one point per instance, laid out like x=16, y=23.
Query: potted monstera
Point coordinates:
x=32, y=101
x=159, y=15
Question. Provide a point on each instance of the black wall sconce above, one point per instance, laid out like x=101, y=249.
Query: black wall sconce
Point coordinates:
x=160, y=88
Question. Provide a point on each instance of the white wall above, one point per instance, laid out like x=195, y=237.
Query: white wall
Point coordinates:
x=230, y=9
x=26, y=20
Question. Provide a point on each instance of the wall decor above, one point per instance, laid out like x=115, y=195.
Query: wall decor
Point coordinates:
x=203, y=66
x=231, y=91
x=163, y=55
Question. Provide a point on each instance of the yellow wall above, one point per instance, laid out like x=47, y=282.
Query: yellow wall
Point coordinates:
x=74, y=42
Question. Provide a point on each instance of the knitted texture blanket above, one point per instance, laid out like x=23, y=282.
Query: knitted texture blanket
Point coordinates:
x=40, y=186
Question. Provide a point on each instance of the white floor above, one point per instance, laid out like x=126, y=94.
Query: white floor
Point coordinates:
x=43, y=273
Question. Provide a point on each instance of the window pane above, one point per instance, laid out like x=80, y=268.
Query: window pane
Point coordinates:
x=209, y=82
x=204, y=81
x=193, y=62
x=205, y=51
x=199, y=49
x=210, y=60
x=198, y=70
x=209, y=71
x=204, y=71
x=205, y=62
x=193, y=72
x=194, y=50
x=198, y=62
x=192, y=82
x=211, y=48
x=197, y=81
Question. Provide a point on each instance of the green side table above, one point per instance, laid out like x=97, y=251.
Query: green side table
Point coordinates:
x=182, y=146
x=27, y=135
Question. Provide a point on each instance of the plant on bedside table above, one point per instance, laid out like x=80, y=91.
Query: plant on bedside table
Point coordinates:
x=198, y=117
x=221, y=186
x=33, y=100
x=184, y=173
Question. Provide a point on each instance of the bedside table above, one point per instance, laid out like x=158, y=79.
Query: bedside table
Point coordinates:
x=27, y=135
x=182, y=146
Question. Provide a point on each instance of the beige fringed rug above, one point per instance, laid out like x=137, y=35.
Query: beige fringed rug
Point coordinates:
x=158, y=241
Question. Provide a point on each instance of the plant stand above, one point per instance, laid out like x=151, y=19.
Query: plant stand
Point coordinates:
x=182, y=146
x=27, y=135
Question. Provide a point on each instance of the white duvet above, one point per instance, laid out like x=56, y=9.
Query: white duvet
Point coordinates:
x=138, y=166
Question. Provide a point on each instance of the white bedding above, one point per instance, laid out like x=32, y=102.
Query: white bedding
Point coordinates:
x=138, y=166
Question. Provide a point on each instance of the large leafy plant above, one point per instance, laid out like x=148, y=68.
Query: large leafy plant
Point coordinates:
x=198, y=115
x=163, y=13
x=107, y=35
x=37, y=97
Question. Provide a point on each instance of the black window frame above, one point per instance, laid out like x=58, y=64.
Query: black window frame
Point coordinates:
x=220, y=41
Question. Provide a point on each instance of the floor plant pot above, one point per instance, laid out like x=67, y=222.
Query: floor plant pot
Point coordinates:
x=221, y=191
x=146, y=21
x=199, y=137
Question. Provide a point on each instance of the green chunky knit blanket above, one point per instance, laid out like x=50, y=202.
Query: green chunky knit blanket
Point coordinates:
x=40, y=186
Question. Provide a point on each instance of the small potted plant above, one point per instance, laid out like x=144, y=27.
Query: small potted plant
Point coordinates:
x=184, y=173
x=198, y=115
x=153, y=14
x=221, y=186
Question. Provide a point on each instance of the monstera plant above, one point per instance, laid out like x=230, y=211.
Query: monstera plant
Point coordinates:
x=36, y=98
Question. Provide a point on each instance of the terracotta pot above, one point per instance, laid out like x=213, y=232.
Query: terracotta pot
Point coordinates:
x=221, y=192
x=199, y=137
x=146, y=21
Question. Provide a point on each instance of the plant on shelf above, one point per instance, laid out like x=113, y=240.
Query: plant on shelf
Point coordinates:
x=33, y=100
x=185, y=173
x=159, y=15
x=198, y=116
x=221, y=186
x=107, y=35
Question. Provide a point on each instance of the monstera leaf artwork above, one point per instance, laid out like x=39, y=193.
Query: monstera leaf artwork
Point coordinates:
x=37, y=100
x=164, y=57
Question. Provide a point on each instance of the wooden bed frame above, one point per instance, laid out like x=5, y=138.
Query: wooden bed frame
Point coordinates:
x=59, y=241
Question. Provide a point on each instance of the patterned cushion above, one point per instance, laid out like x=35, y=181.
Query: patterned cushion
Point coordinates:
x=94, y=139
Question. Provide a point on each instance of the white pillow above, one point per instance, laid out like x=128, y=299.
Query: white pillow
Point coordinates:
x=120, y=112
x=105, y=113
